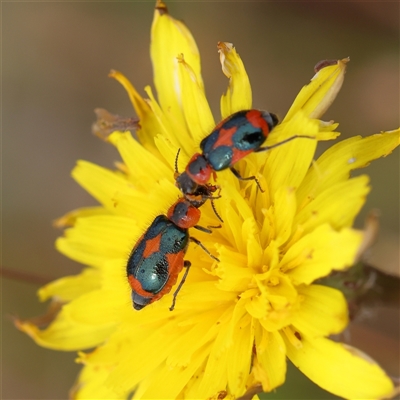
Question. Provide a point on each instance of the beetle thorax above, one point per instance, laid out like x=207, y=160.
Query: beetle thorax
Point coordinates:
x=199, y=170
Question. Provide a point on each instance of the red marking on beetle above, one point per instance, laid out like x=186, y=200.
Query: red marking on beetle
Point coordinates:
x=202, y=176
x=137, y=287
x=256, y=119
x=175, y=266
x=152, y=246
x=239, y=154
x=225, y=137
x=190, y=219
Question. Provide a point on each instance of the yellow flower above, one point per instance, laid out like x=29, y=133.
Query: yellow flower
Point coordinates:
x=236, y=320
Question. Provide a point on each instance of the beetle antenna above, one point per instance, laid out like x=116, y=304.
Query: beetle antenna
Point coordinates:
x=284, y=141
x=176, y=161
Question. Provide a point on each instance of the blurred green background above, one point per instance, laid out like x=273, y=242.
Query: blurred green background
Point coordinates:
x=56, y=57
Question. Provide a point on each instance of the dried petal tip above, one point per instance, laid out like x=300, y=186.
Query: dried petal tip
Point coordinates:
x=224, y=48
x=327, y=63
x=108, y=123
x=333, y=78
x=316, y=97
x=161, y=7
x=238, y=95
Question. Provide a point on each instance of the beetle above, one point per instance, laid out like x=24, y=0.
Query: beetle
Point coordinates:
x=232, y=139
x=196, y=194
x=158, y=256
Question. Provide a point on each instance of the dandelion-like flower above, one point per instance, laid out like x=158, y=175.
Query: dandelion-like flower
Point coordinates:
x=238, y=319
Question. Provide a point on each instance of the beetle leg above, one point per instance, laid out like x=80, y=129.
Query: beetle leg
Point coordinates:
x=249, y=178
x=192, y=239
x=215, y=212
x=187, y=265
x=202, y=229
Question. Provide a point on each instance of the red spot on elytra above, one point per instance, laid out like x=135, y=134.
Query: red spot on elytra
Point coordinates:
x=225, y=137
x=152, y=246
x=256, y=119
x=239, y=154
x=137, y=287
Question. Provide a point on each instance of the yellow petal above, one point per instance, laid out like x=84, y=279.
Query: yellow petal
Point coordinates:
x=90, y=384
x=199, y=296
x=70, y=287
x=150, y=345
x=215, y=373
x=108, y=353
x=238, y=95
x=239, y=355
x=169, y=38
x=338, y=205
x=232, y=271
x=193, y=337
x=167, y=383
x=99, y=307
x=141, y=207
x=144, y=168
x=100, y=182
x=89, y=241
x=323, y=311
x=234, y=210
x=199, y=119
x=70, y=218
x=284, y=211
x=316, y=97
x=335, y=164
x=340, y=369
x=171, y=127
x=149, y=126
x=318, y=253
x=270, y=360
x=287, y=165
x=66, y=334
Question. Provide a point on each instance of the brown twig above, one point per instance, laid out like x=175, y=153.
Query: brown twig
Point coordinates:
x=22, y=276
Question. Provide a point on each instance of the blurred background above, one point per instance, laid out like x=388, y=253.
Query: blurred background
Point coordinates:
x=56, y=57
